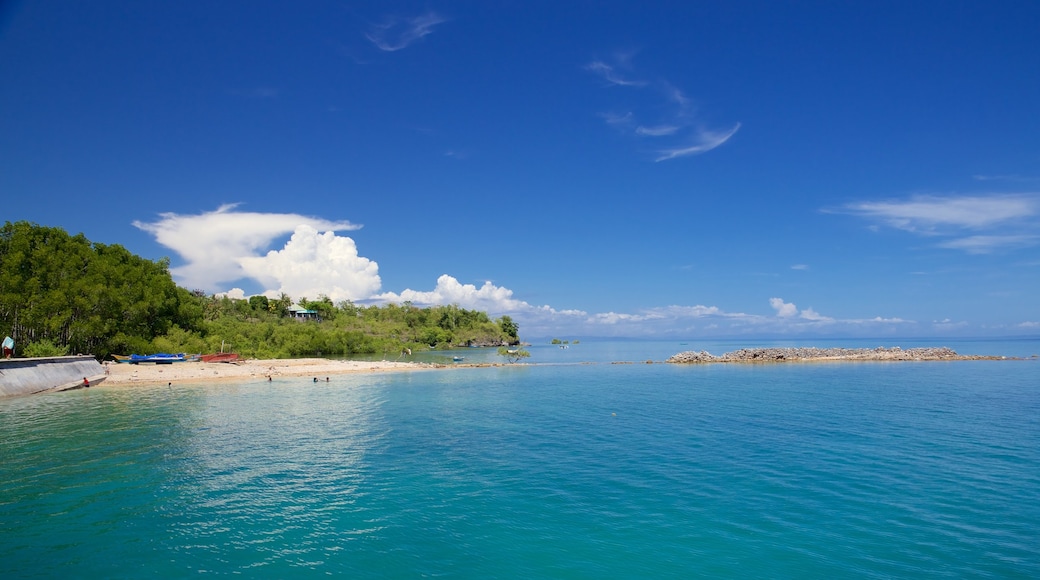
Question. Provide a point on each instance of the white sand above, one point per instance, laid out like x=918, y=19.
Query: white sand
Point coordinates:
x=122, y=374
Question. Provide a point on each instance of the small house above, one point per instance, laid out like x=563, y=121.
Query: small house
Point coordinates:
x=300, y=313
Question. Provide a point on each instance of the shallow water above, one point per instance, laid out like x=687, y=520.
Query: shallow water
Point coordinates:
x=561, y=470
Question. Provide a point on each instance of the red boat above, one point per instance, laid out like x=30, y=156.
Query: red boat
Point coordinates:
x=228, y=357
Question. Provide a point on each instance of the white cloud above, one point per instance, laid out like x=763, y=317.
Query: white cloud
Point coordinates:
x=658, y=131
x=451, y=291
x=612, y=318
x=783, y=309
x=926, y=214
x=1013, y=178
x=609, y=74
x=313, y=263
x=947, y=324
x=977, y=224
x=810, y=314
x=704, y=141
x=1029, y=324
x=213, y=244
x=234, y=294
x=617, y=120
x=987, y=244
x=878, y=319
x=800, y=267
x=397, y=33
x=676, y=122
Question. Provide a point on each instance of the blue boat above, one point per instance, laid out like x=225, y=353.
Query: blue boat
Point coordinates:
x=159, y=358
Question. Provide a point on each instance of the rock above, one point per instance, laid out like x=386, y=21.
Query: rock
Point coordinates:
x=780, y=355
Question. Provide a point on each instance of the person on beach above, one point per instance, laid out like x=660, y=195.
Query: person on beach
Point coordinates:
x=86, y=383
x=8, y=346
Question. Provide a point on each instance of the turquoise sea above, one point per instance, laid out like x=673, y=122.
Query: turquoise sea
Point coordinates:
x=568, y=467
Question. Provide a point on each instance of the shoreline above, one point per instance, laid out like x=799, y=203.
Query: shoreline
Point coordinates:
x=125, y=374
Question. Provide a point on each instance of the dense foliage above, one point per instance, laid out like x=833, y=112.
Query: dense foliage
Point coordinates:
x=84, y=297
x=263, y=328
x=62, y=293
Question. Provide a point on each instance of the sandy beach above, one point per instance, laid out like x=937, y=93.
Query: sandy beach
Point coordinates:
x=122, y=374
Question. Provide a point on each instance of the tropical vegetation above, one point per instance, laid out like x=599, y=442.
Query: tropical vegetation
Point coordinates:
x=63, y=294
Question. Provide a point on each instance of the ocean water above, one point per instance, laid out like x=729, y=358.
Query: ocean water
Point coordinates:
x=552, y=470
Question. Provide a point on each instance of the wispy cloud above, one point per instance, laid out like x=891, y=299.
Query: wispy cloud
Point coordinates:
x=658, y=131
x=926, y=214
x=988, y=244
x=977, y=224
x=398, y=33
x=1009, y=178
x=704, y=141
x=677, y=126
x=618, y=120
x=610, y=74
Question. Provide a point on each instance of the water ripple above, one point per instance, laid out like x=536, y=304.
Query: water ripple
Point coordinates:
x=845, y=470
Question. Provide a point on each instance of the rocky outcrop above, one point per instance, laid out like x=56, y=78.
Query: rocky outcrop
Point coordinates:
x=803, y=354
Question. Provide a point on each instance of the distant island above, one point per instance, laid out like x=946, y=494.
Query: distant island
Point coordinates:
x=807, y=354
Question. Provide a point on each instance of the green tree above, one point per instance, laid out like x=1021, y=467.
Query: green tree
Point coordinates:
x=510, y=328
x=81, y=296
x=260, y=303
x=513, y=354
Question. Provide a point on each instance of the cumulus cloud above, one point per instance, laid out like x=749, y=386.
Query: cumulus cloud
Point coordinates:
x=783, y=309
x=234, y=294
x=450, y=291
x=398, y=33
x=313, y=263
x=213, y=244
x=977, y=224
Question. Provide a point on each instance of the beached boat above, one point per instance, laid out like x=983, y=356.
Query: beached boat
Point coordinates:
x=159, y=358
x=224, y=357
x=121, y=358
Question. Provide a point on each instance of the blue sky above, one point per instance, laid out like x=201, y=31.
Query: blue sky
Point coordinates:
x=672, y=169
